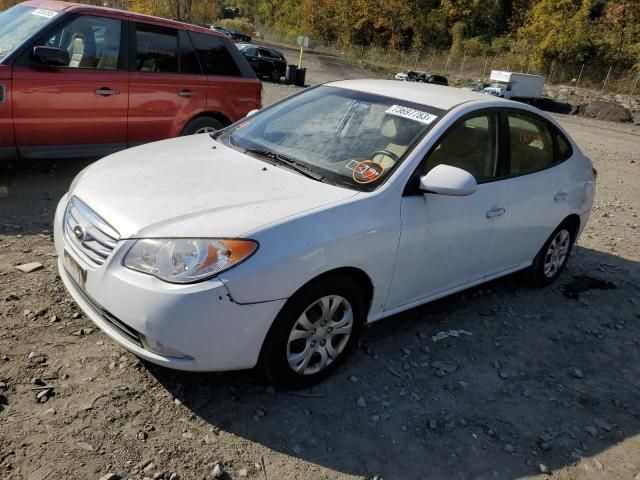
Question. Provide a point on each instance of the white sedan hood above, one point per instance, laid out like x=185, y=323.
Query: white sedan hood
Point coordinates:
x=186, y=188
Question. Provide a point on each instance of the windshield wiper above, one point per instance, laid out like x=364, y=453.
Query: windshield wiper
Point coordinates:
x=288, y=161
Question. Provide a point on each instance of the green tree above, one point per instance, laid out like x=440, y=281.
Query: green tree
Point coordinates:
x=457, y=39
x=557, y=30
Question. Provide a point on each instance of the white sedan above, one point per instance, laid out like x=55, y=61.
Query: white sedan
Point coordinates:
x=274, y=241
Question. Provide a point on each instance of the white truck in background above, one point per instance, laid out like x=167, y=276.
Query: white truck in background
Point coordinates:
x=515, y=85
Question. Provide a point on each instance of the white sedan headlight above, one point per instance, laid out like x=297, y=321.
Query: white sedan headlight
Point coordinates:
x=187, y=260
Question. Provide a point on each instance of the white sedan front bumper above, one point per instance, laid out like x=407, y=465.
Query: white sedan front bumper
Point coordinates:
x=201, y=321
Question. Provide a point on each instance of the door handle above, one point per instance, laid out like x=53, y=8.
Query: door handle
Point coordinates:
x=186, y=93
x=560, y=196
x=106, y=92
x=495, y=212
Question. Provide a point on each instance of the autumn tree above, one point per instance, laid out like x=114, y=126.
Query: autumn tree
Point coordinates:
x=557, y=30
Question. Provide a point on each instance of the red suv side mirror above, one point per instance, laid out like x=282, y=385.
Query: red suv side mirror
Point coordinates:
x=56, y=57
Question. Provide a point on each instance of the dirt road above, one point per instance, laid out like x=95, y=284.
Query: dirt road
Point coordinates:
x=548, y=382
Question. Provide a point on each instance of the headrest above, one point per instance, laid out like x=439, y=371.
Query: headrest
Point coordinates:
x=400, y=130
x=389, y=129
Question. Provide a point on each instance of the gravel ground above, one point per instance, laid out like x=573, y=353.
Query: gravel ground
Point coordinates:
x=547, y=384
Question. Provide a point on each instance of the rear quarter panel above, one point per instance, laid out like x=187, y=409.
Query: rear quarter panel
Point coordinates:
x=7, y=137
x=234, y=96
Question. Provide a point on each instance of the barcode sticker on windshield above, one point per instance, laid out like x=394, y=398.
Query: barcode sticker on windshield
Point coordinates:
x=43, y=12
x=410, y=113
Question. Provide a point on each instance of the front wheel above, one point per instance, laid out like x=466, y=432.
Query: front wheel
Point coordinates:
x=552, y=257
x=314, y=332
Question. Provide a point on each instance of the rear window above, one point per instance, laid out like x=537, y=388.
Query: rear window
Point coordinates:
x=214, y=56
x=531, y=143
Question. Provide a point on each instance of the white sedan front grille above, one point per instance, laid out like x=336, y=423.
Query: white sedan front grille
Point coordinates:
x=91, y=236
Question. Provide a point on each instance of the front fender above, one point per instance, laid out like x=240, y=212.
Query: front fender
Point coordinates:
x=362, y=232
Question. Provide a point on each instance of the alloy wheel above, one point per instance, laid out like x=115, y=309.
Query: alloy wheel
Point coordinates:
x=557, y=253
x=320, y=335
x=204, y=130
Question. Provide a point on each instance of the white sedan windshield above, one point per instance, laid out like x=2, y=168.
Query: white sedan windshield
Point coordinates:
x=343, y=136
x=19, y=23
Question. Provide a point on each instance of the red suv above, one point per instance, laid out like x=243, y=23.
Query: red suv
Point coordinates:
x=78, y=80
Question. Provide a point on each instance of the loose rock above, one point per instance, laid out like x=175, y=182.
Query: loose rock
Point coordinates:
x=603, y=424
x=110, y=476
x=218, y=471
x=576, y=373
x=30, y=267
x=448, y=367
x=43, y=395
x=591, y=430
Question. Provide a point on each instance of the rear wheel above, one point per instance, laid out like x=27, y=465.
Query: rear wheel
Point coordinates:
x=552, y=257
x=275, y=75
x=202, y=125
x=314, y=332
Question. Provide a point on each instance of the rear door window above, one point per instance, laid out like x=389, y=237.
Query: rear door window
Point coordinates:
x=531, y=143
x=214, y=56
x=189, y=62
x=157, y=49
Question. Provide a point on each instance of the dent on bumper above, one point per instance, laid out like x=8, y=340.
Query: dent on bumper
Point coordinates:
x=208, y=326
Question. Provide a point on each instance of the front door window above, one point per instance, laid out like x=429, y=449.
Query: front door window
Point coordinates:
x=92, y=42
x=472, y=145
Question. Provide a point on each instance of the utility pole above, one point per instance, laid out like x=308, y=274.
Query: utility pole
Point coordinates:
x=605, y=80
x=579, y=76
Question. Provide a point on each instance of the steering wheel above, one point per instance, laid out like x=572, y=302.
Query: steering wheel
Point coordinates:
x=386, y=153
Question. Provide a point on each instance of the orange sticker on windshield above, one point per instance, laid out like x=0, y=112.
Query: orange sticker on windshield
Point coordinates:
x=367, y=171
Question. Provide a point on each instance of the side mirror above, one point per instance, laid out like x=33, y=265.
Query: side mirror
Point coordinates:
x=53, y=56
x=255, y=110
x=448, y=180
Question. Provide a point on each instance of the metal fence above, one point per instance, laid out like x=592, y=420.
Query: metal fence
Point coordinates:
x=601, y=79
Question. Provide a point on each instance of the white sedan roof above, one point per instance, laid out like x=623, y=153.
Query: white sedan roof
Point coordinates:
x=436, y=96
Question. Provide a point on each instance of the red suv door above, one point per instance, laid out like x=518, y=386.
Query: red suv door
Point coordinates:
x=80, y=108
x=167, y=87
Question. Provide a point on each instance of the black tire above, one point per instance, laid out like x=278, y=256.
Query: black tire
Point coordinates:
x=275, y=75
x=537, y=275
x=202, y=123
x=274, y=356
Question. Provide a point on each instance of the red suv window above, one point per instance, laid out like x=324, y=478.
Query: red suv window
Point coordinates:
x=214, y=56
x=157, y=49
